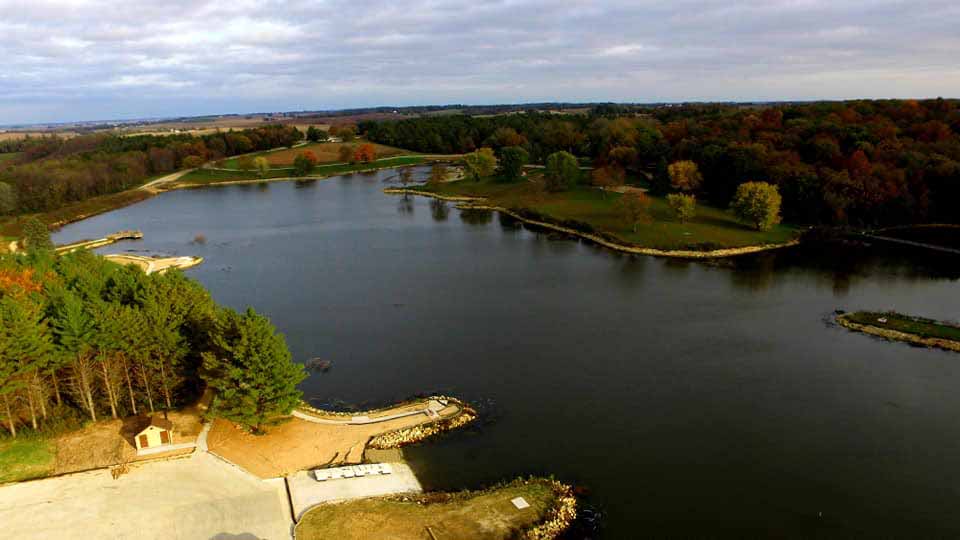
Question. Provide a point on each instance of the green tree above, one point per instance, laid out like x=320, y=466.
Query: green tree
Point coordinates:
x=26, y=344
x=75, y=332
x=562, y=171
x=512, y=160
x=757, y=203
x=261, y=165
x=36, y=235
x=250, y=369
x=480, y=163
x=8, y=199
x=683, y=206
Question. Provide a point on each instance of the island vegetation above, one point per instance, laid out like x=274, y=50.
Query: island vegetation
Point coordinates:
x=907, y=328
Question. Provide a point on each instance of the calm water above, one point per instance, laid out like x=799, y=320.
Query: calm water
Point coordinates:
x=685, y=399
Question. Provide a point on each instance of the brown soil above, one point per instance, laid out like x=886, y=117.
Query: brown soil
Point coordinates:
x=297, y=444
x=110, y=442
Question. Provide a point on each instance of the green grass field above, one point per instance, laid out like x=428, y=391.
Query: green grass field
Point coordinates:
x=8, y=157
x=918, y=326
x=25, y=458
x=214, y=176
x=712, y=228
x=487, y=516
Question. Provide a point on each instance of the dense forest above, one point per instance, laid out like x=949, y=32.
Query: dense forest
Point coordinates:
x=863, y=163
x=50, y=172
x=85, y=338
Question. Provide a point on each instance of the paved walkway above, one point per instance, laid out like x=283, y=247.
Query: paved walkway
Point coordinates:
x=306, y=492
x=432, y=410
x=198, y=497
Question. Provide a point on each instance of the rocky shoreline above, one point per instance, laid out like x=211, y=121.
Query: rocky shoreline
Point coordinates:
x=895, y=335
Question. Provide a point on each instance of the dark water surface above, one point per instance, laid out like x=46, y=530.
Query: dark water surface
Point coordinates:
x=687, y=399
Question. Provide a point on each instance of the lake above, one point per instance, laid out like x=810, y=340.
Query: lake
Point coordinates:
x=684, y=398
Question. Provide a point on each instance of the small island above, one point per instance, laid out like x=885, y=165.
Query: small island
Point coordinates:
x=907, y=328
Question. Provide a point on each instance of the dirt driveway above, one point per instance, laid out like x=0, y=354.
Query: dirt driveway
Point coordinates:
x=195, y=497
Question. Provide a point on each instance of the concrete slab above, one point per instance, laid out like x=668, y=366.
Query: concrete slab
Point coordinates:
x=196, y=497
x=306, y=492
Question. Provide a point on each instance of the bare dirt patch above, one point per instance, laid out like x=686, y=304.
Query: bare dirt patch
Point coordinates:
x=298, y=444
x=110, y=442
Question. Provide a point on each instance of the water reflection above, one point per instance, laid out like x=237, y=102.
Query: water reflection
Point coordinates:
x=473, y=216
x=405, y=204
x=439, y=209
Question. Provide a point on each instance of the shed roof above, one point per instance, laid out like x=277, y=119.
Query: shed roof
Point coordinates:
x=159, y=422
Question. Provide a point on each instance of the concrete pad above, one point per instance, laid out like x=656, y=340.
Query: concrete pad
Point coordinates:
x=307, y=492
x=196, y=497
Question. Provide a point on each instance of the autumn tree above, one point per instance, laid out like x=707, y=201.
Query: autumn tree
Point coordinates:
x=365, y=153
x=480, y=163
x=684, y=176
x=262, y=166
x=304, y=163
x=245, y=163
x=562, y=171
x=684, y=206
x=345, y=153
x=607, y=177
x=251, y=370
x=634, y=208
x=511, y=162
x=757, y=203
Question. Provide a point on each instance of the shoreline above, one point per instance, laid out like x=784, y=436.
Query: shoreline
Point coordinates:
x=896, y=335
x=475, y=203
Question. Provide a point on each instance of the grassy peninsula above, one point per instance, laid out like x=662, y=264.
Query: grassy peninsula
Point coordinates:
x=591, y=210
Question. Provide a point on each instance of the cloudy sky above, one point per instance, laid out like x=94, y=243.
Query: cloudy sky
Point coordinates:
x=90, y=59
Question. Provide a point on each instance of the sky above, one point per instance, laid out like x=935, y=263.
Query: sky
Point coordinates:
x=89, y=59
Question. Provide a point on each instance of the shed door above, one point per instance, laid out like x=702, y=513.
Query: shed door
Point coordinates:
x=143, y=442
x=164, y=437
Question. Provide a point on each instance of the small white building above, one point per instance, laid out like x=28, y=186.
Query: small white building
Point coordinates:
x=158, y=432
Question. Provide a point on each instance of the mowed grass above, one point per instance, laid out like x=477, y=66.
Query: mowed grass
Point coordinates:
x=214, y=176
x=9, y=156
x=25, y=458
x=712, y=228
x=918, y=326
x=488, y=516
x=325, y=152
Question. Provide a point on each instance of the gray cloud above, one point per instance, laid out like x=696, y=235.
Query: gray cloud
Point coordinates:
x=86, y=59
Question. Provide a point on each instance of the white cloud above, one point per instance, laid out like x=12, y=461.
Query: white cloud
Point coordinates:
x=81, y=59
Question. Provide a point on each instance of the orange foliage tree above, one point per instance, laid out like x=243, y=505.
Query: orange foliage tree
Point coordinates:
x=365, y=153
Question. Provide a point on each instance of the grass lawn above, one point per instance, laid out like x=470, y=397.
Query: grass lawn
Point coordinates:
x=213, y=176
x=25, y=458
x=325, y=152
x=910, y=325
x=486, y=516
x=712, y=228
x=9, y=156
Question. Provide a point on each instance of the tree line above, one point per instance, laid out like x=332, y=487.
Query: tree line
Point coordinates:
x=85, y=337
x=51, y=172
x=863, y=163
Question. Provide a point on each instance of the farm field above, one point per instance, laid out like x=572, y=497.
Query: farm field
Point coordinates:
x=325, y=152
